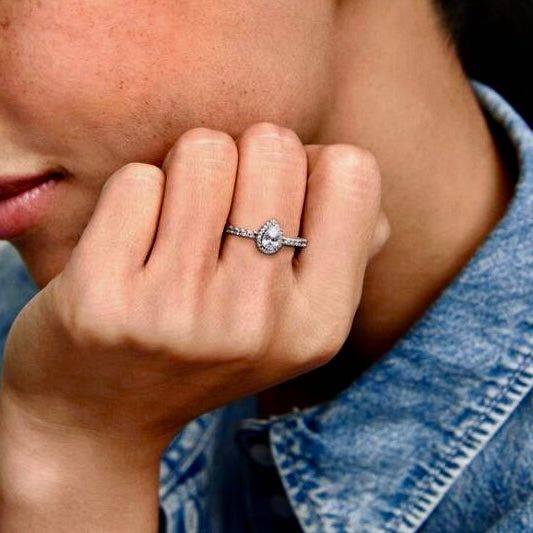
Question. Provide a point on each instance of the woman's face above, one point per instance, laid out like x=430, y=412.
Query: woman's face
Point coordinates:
x=89, y=85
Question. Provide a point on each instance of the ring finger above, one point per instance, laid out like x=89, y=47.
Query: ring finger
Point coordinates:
x=271, y=183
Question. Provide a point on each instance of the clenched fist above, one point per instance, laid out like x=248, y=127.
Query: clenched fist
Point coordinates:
x=160, y=315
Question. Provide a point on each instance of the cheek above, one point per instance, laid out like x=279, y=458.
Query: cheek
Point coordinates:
x=134, y=82
x=75, y=73
x=94, y=84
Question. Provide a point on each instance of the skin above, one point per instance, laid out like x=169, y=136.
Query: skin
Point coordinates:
x=176, y=327
x=87, y=87
x=174, y=79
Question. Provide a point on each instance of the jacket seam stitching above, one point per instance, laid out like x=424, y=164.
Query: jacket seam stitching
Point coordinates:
x=472, y=440
x=184, y=463
x=296, y=471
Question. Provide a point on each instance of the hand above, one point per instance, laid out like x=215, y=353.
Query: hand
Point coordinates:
x=159, y=316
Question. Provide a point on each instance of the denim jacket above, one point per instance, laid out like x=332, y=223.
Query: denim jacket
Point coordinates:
x=437, y=436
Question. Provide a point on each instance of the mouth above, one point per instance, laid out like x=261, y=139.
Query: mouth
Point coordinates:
x=14, y=186
x=24, y=200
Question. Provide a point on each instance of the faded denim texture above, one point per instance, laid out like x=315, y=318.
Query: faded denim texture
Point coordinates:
x=436, y=437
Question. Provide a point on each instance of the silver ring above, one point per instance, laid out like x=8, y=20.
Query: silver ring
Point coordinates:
x=269, y=237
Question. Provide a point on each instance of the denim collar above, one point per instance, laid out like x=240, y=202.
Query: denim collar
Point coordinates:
x=16, y=289
x=383, y=453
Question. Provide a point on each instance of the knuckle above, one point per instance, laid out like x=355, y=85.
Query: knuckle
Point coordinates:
x=270, y=130
x=84, y=326
x=205, y=136
x=273, y=141
x=328, y=344
x=357, y=165
x=350, y=158
x=250, y=341
x=319, y=336
x=165, y=330
x=90, y=319
x=205, y=144
x=136, y=175
x=243, y=352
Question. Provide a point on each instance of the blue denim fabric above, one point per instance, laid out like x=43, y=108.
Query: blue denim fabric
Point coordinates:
x=436, y=437
x=16, y=289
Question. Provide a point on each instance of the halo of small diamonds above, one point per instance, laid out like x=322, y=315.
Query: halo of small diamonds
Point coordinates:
x=269, y=237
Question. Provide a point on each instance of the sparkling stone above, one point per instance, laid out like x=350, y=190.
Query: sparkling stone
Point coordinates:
x=269, y=237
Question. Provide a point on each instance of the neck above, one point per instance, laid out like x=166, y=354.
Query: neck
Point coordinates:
x=401, y=93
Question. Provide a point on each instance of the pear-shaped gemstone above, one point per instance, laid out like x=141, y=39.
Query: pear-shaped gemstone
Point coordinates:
x=270, y=237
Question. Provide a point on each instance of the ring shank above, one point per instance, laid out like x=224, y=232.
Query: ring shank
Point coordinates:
x=240, y=232
x=296, y=242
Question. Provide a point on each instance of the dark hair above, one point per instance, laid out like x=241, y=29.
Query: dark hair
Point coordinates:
x=453, y=15
x=494, y=39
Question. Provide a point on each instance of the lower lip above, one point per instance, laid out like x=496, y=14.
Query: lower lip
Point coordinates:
x=20, y=213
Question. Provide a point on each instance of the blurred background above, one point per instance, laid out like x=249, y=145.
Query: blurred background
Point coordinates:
x=495, y=41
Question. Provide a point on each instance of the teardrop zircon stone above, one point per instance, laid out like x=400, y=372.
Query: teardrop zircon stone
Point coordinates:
x=269, y=237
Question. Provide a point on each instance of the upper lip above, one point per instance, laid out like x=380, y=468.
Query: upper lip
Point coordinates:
x=14, y=185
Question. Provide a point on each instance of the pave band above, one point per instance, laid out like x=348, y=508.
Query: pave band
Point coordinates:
x=269, y=237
